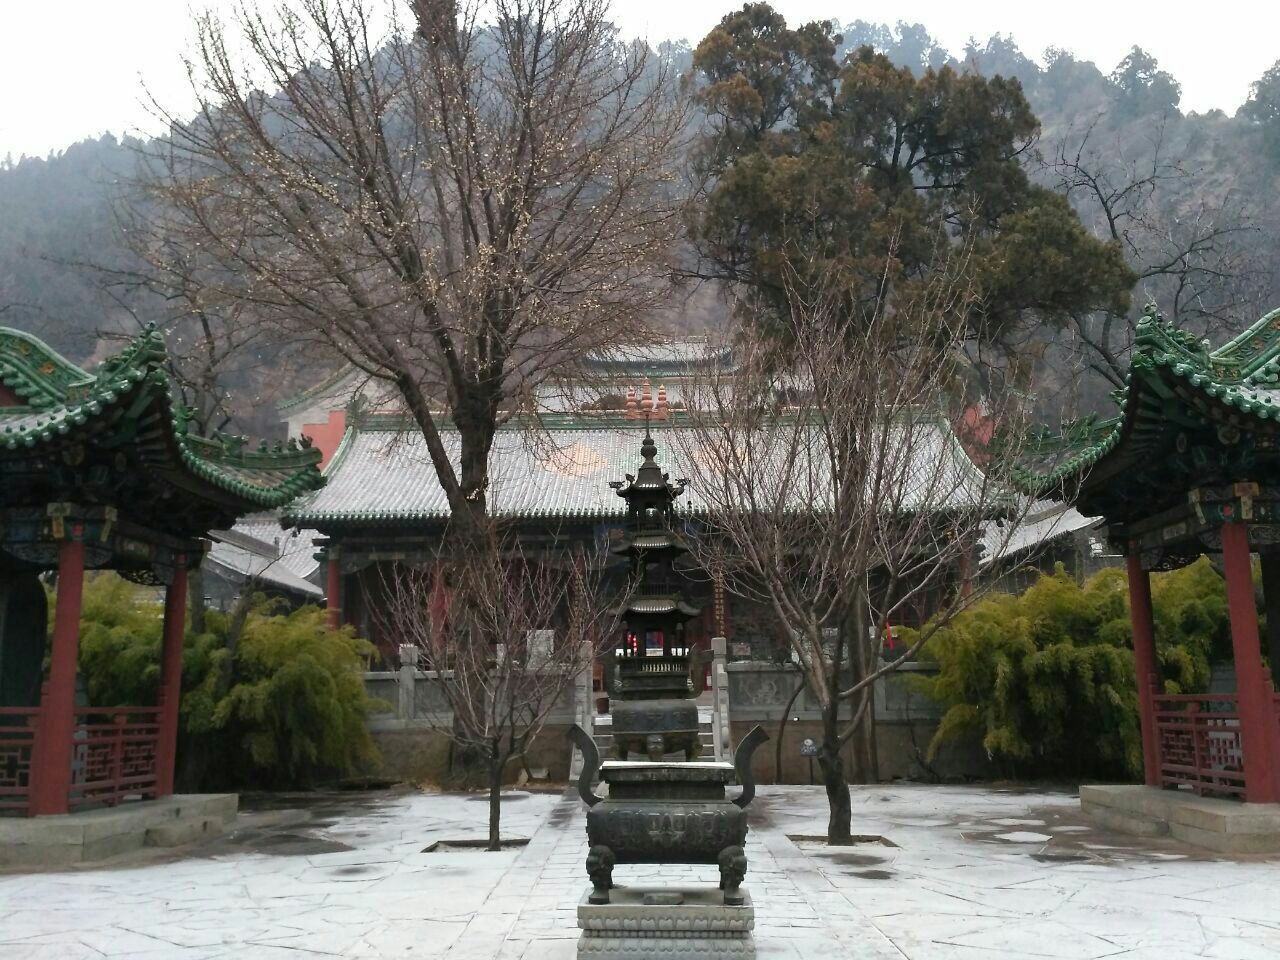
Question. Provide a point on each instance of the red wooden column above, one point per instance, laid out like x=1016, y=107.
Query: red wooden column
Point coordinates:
x=51, y=790
x=175, y=612
x=333, y=592
x=1144, y=662
x=1258, y=735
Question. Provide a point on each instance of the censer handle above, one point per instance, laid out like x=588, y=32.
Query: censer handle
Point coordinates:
x=742, y=763
x=590, y=763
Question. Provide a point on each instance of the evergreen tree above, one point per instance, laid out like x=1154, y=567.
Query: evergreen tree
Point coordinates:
x=1263, y=108
x=852, y=174
x=1143, y=87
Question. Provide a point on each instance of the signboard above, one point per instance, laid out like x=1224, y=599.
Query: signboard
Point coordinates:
x=808, y=747
x=653, y=645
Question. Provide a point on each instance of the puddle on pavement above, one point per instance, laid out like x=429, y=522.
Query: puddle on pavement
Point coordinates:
x=561, y=814
x=873, y=874
x=475, y=845
x=291, y=845
x=808, y=840
x=848, y=859
x=1062, y=857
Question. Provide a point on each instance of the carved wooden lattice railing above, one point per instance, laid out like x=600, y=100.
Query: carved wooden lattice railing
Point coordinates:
x=115, y=754
x=1199, y=741
x=17, y=746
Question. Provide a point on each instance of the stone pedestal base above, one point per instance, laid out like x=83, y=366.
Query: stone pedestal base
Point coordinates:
x=629, y=928
x=91, y=835
x=1224, y=826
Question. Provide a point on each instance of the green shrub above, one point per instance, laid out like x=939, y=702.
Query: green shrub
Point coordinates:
x=1047, y=678
x=292, y=708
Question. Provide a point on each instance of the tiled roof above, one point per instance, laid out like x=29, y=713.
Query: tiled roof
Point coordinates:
x=35, y=373
x=561, y=472
x=249, y=564
x=619, y=367
x=340, y=382
x=296, y=549
x=677, y=357
x=1043, y=521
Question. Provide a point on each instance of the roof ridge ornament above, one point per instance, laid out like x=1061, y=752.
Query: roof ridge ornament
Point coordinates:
x=1160, y=341
x=648, y=449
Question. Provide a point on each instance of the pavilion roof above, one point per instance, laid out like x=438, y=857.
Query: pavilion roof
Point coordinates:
x=382, y=474
x=257, y=549
x=1180, y=419
x=126, y=406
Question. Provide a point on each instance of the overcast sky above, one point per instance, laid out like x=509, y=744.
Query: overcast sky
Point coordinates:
x=74, y=69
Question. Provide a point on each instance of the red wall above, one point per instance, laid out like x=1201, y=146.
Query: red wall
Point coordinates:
x=326, y=436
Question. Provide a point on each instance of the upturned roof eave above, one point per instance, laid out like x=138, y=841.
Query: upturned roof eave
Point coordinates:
x=1162, y=371
x=130, y=384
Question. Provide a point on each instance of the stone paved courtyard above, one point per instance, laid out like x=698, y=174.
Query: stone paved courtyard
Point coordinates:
x=972, y=873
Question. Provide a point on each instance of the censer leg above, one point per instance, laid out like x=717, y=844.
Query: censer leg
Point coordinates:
x=733, y=870
x=600, y=870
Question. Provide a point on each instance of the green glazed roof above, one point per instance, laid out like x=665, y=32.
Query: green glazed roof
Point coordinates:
x=128, y=399
x=38, y=375
x=1178, y=393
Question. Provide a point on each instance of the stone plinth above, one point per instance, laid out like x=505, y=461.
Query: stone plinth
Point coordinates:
x=90, y=835
x=701, y=925
x=1224, y=826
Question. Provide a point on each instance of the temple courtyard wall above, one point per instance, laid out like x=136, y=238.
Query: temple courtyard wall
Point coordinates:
x=411, y=733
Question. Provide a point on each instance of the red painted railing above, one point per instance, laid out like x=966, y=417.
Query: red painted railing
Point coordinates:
x=17, y=746
x=114, y=754
x=1199, y=740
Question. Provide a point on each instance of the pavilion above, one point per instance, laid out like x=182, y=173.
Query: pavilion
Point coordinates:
x=101, y=472
x=1190, y=465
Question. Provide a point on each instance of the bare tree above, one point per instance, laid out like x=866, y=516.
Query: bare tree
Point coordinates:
x=503, y=642
x=213, y=346
x=839, y=492
x=457, y=198
x=1185, y=239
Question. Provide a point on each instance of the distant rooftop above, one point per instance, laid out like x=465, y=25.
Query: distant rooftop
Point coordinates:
x=671, y=358
x=382, y=474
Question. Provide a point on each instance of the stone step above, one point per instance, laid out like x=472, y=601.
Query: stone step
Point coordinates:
x=184, y=832
x=1133, y=824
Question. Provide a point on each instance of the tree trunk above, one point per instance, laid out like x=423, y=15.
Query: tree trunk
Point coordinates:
x=862, y=656
x=495, y=805
x=195, y=599
x=235, y=628
x=839, y=803
x=863, y=743
x=782, y=728
x=469, y=533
